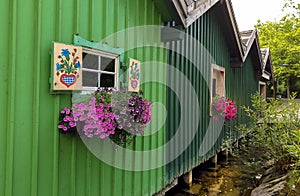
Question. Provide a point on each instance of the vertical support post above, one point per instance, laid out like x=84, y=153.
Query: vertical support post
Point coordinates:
x=214, y=160
x=188, y=178
x=226, y=154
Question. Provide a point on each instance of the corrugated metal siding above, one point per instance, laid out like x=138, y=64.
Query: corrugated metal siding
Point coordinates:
x=240, y=83
x=243, y=83
x=4, y=70
x=36, y=159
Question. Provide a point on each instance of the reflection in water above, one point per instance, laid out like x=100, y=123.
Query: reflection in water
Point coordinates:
x=230, y=178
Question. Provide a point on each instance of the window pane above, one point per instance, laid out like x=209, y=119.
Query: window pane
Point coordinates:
x=90, y=61
x=107, y=64
x=89, y=79
x=214, y=87
x=107, y=80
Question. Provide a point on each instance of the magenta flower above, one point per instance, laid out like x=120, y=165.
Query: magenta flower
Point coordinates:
x=64, y=128
x=61, y=126
x=226, y=108
x=67, y=119
x=96, y=117
x=67, y=110
x=72, y=124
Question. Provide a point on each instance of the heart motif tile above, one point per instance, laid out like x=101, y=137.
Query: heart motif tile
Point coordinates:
x=67, y=80
x=134, y=83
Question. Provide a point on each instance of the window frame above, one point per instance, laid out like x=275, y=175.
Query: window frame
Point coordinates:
x=262, y=89
x=220, y=69
x=99, y=54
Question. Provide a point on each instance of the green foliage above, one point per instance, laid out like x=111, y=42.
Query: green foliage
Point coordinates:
x=283, y=39
x=275, y=128
x=281, y=88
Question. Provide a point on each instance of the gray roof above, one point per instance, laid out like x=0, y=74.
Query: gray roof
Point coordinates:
x=264, y=54
x=249, y=38
x=246, y=37
x=190, y=10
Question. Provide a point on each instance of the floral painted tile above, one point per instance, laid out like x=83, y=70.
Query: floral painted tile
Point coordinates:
x=134, y=75
x=67, y=65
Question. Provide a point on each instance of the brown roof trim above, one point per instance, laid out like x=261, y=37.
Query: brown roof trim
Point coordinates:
x=267, y=63
x=189, y=11
x=250, y=40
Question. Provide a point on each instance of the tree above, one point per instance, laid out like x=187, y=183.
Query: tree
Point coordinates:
x=283, y=39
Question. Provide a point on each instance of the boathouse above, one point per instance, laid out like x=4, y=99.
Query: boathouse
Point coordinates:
x=186, y=51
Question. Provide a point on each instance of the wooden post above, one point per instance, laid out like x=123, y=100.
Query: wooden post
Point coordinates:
x=226, y=154
x=188, y=178
x=214, y=160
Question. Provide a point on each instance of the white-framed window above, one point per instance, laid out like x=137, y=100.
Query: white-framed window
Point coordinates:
x=217, y=83
x=99, y=69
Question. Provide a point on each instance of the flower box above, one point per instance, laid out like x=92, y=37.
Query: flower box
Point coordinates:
x=117, y=115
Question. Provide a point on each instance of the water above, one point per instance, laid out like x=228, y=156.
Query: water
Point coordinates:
x=229, y=178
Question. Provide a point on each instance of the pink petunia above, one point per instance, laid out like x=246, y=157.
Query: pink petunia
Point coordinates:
x=67, y=119
x=63, y=127
x=72, y=124
x=67, y=110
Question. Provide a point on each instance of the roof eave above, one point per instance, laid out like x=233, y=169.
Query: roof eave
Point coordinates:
x=188, y=14
x=236, y=49
x=235, y=28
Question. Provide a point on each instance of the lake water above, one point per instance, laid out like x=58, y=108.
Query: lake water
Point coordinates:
x=233, y=177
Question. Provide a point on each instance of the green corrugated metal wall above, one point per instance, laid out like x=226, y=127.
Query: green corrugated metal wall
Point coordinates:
x=239, y=82
x=35, y=158
x=242, y=84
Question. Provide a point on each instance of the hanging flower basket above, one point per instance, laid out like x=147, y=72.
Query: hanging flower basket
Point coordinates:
x=119, y=115
x=224, y=108
x=67, y=125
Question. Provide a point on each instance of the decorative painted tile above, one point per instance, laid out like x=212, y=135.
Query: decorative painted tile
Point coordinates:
x=67, y=73
x=134, y=75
